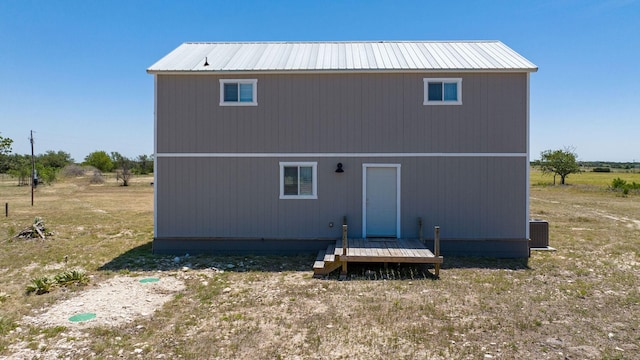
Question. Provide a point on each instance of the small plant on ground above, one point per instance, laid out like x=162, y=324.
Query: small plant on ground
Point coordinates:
x=41, y=285
x=53, y=331
x=71, y=277
x=3, y=297
x=44, y=284
x=6, y=325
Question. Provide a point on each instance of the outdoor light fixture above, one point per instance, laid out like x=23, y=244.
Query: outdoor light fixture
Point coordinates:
x=339, y=169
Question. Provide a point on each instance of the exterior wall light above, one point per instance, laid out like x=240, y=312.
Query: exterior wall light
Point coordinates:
x=339, y=169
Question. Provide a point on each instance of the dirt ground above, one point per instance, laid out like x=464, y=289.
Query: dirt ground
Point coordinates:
x=579, y=302
x=117, y=301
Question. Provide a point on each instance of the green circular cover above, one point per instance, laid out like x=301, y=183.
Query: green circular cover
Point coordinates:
x=82, y=317
x=149, y=280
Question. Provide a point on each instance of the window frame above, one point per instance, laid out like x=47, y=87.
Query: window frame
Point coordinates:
x=314, y=179
x=457, y=81
x=254, y=95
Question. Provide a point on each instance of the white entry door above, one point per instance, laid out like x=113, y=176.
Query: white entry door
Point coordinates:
x=381, y=200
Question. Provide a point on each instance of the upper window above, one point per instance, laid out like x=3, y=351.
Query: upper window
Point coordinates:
x=238, y=92
x=298, y=180
x=443, y=91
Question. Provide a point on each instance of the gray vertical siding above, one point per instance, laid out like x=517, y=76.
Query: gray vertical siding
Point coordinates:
x=469, y=198
x=480, y=199
x=342, y=113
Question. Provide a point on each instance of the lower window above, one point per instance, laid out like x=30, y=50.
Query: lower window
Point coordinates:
x=298, y=180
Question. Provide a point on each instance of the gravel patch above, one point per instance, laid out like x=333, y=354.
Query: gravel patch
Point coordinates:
x=116, y=301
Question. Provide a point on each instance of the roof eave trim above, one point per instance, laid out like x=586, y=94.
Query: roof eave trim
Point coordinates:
x=337, y=71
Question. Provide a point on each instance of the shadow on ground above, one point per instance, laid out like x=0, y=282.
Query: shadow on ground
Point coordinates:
x=141, y=258
x=395, y=271
x=468, y=262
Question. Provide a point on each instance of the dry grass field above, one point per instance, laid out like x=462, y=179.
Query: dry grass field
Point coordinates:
x=579, y=302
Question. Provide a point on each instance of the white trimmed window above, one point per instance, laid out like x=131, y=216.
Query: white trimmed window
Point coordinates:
x=298, y=180
x=238, y=92
x=442, y=91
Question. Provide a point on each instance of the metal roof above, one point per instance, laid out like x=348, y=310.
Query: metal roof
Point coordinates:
x=343, y=56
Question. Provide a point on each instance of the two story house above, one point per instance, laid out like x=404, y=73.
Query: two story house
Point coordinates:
x=268, y=147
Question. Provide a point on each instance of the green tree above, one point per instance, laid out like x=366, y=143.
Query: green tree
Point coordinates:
x=5, y=150
x=559, y=162
x=47, y=174
x=5, y=145
x=143, y=164
x=56, y=160
x=100, y=160
x=20, y=167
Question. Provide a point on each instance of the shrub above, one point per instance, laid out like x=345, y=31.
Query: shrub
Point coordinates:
x=601, y=169
x=624, y=186
x=72, y=170
x=618, y=183
x=47, y=175
x=97, y=177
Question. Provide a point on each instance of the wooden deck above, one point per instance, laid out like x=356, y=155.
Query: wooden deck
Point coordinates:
x=374, y=250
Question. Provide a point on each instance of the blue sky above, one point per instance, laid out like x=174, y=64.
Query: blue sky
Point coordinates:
x=74, y=71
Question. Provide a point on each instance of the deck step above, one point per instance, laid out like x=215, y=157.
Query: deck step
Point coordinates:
x=319, y=263
x=325, y=261
x=329, y=255
x=374, y=251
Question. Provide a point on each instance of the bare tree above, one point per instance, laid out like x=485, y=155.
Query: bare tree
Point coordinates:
x=123, y=168
x=123, y=172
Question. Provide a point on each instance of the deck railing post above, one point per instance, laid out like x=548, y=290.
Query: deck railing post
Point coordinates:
x=343, y=272
x=420, y=229
x=436, y=249
x=436, y=241
x=344, y=240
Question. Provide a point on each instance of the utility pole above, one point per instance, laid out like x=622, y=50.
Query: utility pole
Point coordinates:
x=33, y=168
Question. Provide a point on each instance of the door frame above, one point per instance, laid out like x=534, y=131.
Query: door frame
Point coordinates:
x=364, y=195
